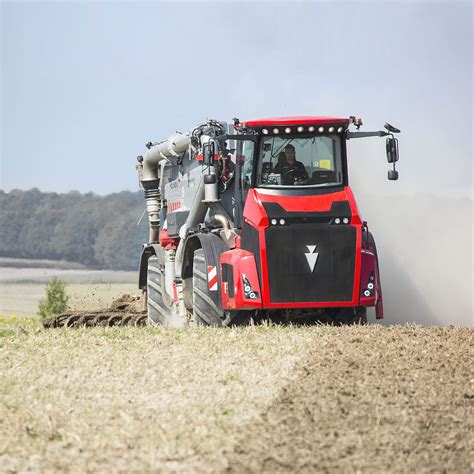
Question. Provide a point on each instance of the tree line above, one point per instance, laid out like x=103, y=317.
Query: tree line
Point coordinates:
x=98, y=231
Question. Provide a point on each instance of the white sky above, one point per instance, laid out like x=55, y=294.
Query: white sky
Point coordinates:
x=85, y=85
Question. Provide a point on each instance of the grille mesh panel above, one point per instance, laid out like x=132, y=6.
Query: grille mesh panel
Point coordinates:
x=290, y=276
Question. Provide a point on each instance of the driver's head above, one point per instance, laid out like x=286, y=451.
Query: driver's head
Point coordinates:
x=290, y=153
x=282, y=158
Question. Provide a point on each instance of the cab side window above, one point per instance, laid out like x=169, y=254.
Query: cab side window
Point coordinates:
x=246, y=164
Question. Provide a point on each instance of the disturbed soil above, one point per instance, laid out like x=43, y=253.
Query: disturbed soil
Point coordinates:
x=397, y=399
x=255, y=399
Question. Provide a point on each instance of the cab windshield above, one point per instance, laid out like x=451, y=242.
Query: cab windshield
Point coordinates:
x=300, y=161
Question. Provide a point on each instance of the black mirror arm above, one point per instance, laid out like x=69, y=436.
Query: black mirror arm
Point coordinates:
x=380, y=133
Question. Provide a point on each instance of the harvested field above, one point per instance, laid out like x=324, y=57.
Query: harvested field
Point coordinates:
x=258, y=399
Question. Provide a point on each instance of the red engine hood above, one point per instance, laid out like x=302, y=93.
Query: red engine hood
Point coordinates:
x=254, y=212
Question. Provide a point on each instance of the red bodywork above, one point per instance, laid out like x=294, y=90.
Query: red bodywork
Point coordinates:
x=243, y=261
x=302, y=120
x=254, y=214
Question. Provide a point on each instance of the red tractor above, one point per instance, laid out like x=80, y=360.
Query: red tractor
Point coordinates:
x=257, y=220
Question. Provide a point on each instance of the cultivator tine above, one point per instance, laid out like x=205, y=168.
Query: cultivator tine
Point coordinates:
x=61, y=320
x=122, y=312
x=126, y=320
x=141, y=320
x=115, y=320
x=86, y=320
x=100, y=320
x=72, y=321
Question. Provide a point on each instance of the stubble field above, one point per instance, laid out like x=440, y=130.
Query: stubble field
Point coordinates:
x=256, y=399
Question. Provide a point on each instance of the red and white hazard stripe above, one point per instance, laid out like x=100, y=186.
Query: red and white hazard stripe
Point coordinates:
x=212, y=278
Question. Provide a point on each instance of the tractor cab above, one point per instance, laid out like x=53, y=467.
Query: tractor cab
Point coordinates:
x=302, y=155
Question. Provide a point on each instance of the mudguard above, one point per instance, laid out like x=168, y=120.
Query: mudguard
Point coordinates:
x=240, y=284
x=213, y=247
x=147, y=252
x=370, y=284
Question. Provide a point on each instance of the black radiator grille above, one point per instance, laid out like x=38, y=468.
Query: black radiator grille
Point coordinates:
x=289, y=272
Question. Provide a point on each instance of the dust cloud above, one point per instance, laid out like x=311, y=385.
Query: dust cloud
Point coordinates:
x=425, y=250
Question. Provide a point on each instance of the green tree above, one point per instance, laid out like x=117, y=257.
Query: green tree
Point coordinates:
x=56, y=299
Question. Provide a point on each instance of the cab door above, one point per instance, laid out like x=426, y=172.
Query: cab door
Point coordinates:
x=246, y=152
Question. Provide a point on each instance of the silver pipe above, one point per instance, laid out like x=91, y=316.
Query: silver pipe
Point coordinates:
x=223, y=220
x=173, y=147
x=169, y=271
x=218, y=208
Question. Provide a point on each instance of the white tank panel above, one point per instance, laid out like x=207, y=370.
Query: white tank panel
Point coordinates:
x=180, y=193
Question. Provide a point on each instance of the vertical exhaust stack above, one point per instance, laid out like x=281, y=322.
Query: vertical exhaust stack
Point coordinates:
x=153, y=206
x=148, y=170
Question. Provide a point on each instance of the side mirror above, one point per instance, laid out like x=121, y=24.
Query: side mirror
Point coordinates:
x=208, y=151
x=391, y=146
x=391, y=128
x=392, y=175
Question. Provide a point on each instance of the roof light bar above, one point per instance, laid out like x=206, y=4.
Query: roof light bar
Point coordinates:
x=301, y=129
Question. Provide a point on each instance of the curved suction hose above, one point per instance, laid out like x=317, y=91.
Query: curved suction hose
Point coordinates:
x=225, y=225
x=173, y=147
x=149, y=177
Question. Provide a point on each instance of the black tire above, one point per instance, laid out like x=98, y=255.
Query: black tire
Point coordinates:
x=344, y=316
x=158, y=302
x=205, y=311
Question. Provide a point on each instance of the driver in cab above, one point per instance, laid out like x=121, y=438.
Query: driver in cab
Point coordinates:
x=291, y=171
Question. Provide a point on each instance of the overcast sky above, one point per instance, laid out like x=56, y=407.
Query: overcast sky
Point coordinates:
x=85, y=85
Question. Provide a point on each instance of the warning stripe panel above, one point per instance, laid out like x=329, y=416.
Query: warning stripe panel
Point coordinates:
x=212, y=278
x=173, y=206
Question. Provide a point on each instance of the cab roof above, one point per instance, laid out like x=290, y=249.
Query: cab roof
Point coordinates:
x=296, y=120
